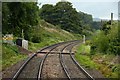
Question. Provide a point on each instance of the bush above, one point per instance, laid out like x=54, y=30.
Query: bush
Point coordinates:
x=36, y=39
x=100, y=42
x=106, y=43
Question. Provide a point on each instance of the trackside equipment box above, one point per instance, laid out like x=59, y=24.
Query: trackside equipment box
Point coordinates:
x=23, y=43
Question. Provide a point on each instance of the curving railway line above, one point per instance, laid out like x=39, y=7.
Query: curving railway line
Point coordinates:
x=72, y=69
x=53, y=64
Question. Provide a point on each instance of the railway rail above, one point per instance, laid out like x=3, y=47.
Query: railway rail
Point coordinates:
x=23, y=71
x=71, y=67
x=67, y=63
x=40, y=76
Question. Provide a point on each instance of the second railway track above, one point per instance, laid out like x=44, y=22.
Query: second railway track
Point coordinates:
x=73, y=70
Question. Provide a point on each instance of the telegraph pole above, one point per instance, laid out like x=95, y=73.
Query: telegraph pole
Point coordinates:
x=111, y=18
x=101, y=25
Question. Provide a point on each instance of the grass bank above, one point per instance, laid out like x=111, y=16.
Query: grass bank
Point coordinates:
x=105, y=63
x=48, y=33
x=10, y=55
x=51, y=34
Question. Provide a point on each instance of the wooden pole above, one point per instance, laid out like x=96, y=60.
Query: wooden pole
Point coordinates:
x=111, y=18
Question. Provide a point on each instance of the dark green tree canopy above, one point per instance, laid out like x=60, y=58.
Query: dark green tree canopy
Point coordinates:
x=64, y=15
x=18, y=16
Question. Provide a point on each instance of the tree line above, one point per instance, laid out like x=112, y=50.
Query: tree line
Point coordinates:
x=18, y=16
x=64, y=15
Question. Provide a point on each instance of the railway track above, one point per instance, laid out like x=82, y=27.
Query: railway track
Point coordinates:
x=71, y=67
x=54, y=69
x=30, y=68
x=52, y=65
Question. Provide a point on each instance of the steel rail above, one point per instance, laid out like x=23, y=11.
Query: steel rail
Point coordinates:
x=42, y=63
x=30, y=58
x=62, y=63
x=43, y=60
x=79, y=66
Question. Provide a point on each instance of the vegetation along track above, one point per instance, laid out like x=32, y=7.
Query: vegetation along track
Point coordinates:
x=72, y=69
x=31, y=67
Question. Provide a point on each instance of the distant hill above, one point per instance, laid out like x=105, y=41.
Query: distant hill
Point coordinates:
x=97, y=19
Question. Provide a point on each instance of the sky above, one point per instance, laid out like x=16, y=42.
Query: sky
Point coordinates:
x=97, y=8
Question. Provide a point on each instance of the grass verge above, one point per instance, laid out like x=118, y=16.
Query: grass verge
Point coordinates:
x=10, y=55
x=105, y=63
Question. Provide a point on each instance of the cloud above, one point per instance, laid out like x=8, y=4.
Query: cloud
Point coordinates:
x=93, y=0
x=97, y=9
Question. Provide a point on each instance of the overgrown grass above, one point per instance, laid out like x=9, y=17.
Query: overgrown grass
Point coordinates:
x=10, y=55
x=51, y=34
x=99, y=61
x=48, y=33
x=108, y=64
x=82, y=57
x=36, y=46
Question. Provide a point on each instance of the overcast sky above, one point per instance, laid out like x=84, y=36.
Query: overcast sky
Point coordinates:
x=97, y=8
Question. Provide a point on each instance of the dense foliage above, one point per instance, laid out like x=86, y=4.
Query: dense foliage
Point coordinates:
x=25, y=16
x=96, y=25
x=64, y=15
x=18, y=16
x=106, y=40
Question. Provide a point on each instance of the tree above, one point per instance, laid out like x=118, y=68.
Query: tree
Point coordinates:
x=107, y=43
x=46, y=12
x=64, y=15
x=96, y=25
x=5, y=18
x=18, y=16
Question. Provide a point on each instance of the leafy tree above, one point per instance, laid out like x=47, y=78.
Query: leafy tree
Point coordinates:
x=96, y=25
x=18, y=16
x=46, y=12
x=5, y=18
x=106, y=43
x=64, y=15
x=106, y=26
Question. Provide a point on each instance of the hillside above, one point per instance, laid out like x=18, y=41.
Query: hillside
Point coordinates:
x=49, y=35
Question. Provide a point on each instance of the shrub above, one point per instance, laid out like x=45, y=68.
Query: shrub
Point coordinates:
x=106, y=43
x=36, y=39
